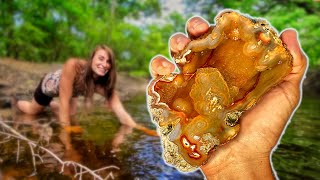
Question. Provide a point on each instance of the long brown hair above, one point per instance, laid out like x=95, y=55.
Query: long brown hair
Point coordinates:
x=107, y=82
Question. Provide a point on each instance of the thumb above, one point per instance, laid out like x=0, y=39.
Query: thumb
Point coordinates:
x=290, y=38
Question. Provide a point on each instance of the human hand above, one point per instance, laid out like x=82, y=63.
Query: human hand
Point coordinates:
x=73, y=129
x=146, y=130
x=248, y=154
x=159, y=65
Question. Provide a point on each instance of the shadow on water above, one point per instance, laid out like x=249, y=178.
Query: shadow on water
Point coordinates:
x=298, y=154
x=104, y=142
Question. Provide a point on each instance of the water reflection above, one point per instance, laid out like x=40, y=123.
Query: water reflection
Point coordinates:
x=43, y=130
x=105, y=142
x=298, y=155
x=119, y=138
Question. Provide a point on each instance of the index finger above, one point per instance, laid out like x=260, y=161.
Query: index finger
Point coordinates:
x=196, y=26
x=159, y=65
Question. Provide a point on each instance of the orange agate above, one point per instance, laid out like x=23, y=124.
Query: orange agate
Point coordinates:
x=222, y=74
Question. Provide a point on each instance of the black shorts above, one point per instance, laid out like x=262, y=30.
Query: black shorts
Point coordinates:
x=40, y=97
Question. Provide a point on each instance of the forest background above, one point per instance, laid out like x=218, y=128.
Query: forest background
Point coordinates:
x=42, y=33
x=53, y=30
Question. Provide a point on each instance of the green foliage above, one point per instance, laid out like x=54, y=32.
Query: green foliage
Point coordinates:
x=302, y=15
x=48, y=31
x=306, y=25
x=54, y=30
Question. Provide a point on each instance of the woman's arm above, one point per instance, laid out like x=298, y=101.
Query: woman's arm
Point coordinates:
x=124, y=117
x=65, y=90
x=116, y=106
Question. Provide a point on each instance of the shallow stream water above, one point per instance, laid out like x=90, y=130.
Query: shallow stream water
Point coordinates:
x=131, y=154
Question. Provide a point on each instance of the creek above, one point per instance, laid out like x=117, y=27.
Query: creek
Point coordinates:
x=104, y=142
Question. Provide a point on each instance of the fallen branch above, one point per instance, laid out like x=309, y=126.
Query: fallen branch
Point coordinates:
x=80, y=169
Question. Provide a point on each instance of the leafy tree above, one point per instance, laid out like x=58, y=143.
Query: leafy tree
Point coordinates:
x=303, y=15
x=7, y=22
x=54, y=30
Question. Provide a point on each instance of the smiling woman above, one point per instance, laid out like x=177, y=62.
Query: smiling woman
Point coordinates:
x=79, y=78
x=101, y=63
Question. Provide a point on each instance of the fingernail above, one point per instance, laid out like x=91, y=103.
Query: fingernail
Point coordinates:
x=180, y=44
x=165, y=64
x=196, y=23
x=179, y=40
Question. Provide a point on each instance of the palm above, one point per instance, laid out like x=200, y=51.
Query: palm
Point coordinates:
x=262, y=125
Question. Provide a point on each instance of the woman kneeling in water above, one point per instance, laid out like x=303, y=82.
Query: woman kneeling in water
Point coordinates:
x=79, y=77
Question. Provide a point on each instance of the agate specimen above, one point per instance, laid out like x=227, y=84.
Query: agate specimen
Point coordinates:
x=222, y=74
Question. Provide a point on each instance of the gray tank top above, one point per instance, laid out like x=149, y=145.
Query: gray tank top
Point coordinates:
x=50, y=83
